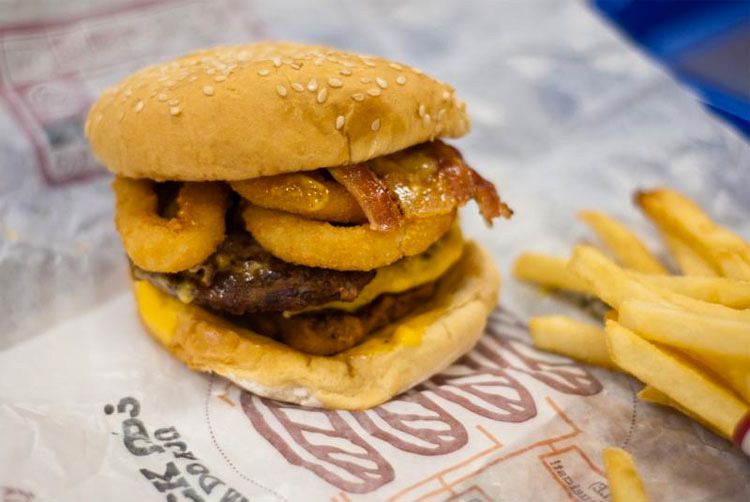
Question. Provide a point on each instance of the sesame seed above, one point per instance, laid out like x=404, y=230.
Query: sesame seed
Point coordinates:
x=298, y=87
x=381, y=82
x=193, y=78
x=400, y=80
x=296, y=66
x=417, y=71
x=263, y=72
x=421, y=110
x=358, y=97
x=446, y=95
x=173, y=102
x=128, y=92
x=208, y=90
x=345, y=72
x=375, y=125
x=281, y=90
x=365, y=80
x=276, y=62
x=374, y=91
x=138, y=106
x=153, y=93
x=287, y=61
x=175, y=110
x=339, y=122
x=322, y=95
x=368, y=63
x=210, y=71
x=395, y=66
x=318, y=62
x=161, y=97
x=312, y=85
x=334, y=82
x=426, y=120
x=441, y=114
x=220, y=78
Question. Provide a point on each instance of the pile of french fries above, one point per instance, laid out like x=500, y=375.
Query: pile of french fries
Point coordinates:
x=687, y=337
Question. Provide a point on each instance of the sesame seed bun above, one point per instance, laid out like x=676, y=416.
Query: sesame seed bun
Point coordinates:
x=384, y=365
x=233, y=113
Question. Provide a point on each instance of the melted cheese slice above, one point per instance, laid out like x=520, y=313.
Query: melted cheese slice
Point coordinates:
x=405, y=274
x=158, y=310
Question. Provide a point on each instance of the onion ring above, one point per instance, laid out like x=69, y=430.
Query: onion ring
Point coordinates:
x=169, y=245
x=306, y=194
x=371, y=194
x=320, y=244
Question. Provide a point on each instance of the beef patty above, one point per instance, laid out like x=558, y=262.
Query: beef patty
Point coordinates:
x=243, y=278
x=329, y=332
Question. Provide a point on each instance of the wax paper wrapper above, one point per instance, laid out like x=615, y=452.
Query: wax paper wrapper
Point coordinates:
x=566, y=116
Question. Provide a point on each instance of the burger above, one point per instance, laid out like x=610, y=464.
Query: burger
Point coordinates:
x=290, y=217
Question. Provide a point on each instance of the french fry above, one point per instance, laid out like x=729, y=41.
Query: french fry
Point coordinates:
x=548, y=271
x=569, y=337
x=655, y=396
x=614, y=285
x=735, y=372
x=625, y=484
x=552, y=271
x=729, y=292
x=611, y=314
x=677, y=214
x=674, y=375
x=690, y=262
x=683, y=328
x=624, y=244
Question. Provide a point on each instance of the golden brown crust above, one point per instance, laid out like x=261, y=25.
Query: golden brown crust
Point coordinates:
x=240, y=112
x=384, y=365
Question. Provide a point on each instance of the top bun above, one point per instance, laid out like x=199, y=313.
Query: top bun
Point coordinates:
x=232, y=113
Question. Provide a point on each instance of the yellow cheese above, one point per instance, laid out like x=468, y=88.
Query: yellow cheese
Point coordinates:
x=406, y=332
x=158, y=310
x=405, y=274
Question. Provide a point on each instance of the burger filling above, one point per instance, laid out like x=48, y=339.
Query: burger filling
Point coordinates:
x=315, y=260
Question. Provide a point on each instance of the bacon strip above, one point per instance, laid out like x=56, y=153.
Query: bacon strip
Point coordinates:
x=372, y=195
x=425, y=180
x=465, y=183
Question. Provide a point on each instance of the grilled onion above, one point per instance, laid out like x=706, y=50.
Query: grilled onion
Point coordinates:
x=307, y=194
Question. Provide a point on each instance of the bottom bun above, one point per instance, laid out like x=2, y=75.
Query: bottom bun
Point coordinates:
x=385, y=364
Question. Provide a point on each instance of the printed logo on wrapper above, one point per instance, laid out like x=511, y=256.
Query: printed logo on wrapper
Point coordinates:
x=448, y=430
x=179, y=472
x=50, y=70
x=12, y=494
